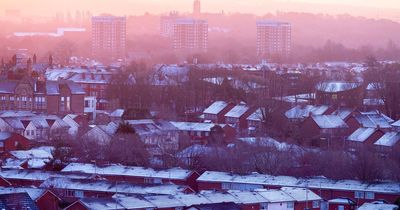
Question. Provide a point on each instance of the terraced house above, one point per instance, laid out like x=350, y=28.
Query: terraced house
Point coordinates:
x=27, y=94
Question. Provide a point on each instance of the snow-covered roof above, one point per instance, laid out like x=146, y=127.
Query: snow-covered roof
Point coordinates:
x=301, y=112
x=120, y=170
x=31, y=154
x=109, y=186
x=192, y=126
x=101, y=204
x=276, y=196
x=337, y=86
x=301, y=194
x=192, y=199
x=132, y=202
x=341, y=201
x=37, y=175
x=237, y=111
x=343, y=112
x=361, y=134
x=288, y=181
x=117, y=113
x=247, y=197
x=396, y=124
x=219, y=197
x=389, y=139
x=4, y=135
x=257, y=115
x=329, y=121
x=373, y=102
x=216, y=107
x=374, y=120
x=34, y=193
x=164, y=201
x=378, y=206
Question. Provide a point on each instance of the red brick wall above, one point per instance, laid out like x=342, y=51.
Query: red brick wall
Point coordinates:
x=48, y=202
x=53, y=104
x=23, y=143
x=209, y=186
x=77, y=104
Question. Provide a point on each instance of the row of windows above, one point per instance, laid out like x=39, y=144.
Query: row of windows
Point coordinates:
x=362, y=195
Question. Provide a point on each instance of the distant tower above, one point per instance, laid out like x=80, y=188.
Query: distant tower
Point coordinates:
x=108, y=38
x=196, y=8
x=273, y=39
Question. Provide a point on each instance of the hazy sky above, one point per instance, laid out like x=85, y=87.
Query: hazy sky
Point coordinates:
x=371, y=8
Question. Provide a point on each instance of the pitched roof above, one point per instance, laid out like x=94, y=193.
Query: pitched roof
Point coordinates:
x=389, y=139
x=337, y=86
x=111, y=186
x=374, y=120
x=329, y=121
x=5, y=135
x=361, y=134
x=119, y=170
x=237, y=111
x=300, y=112
x=288, y=181
x=216, y=107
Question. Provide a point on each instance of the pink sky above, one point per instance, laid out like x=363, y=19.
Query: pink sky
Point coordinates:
x=370, y=8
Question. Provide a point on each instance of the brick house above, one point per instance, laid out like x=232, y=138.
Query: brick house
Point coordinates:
x=327, y=189
x=237, y=117
x=201, y=132
x=324, y=129
x=363, y=136
x=137, y=175
x=70, y=189
x=216, y=111
x=44, y=199
x=51, y=97
x=389, y=141
x=341, y=204
x=339, y=93
x=13, y=141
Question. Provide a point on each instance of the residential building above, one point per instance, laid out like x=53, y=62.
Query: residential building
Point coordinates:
x=339, y=93
x=12, y=141
x=273, y=39
x=327, y=189
x=167, y=24
x=216, y=111
x=190, y=35
x=108, y=38
x=49, y=96
x=136, y=175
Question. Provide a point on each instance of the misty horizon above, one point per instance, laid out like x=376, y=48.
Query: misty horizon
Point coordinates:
x=45, y=8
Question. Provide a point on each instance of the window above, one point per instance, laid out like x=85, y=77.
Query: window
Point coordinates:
x=315, y=204
x=68, y=105
x=334, y=96
x=148, y=180
x=78, y=194
x=69, y=193
x=358, y=194
x=226, y=186
x=62, y=104
x=157, y=181
x=290, y=205
x=369, y=195
x=340, y=207
x=263, y=206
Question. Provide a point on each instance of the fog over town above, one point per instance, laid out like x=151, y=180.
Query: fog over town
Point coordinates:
x=200, y=105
